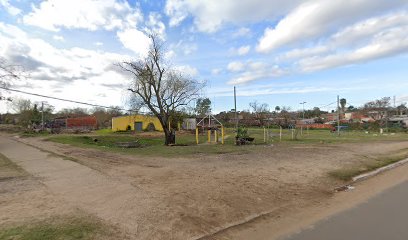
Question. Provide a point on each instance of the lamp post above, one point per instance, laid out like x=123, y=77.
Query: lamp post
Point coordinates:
x=303, y=108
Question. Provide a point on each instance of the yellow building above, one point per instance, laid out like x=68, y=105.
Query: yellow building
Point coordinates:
x=136, y=122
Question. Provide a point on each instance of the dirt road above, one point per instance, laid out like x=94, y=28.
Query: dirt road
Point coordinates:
x=188, y=198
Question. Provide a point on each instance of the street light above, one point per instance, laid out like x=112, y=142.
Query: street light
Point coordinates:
x=303, y=107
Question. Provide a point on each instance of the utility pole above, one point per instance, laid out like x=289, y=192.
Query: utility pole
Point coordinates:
x=303, y=107
x=394, y=101
x=42, y=116
x=236, y=114
x=338, y=115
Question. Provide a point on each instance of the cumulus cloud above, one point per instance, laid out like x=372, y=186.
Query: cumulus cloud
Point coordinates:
x=12, y=10
x=242, y=51
x=84, y=14
x=242, y=32
x=252, y=71
x=58, y=38
x=387, y=43
x=315, y=19
x=216, y=71
x=363, y=41
x=46, y=63
x=74, y=73
x=134, y=40
x=186, y=47
x=210, y=15
x=274, y=89
x=155, y=25
x=187, y=70
x=235, y=66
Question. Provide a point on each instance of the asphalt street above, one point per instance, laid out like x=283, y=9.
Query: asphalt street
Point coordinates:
x=383, y=217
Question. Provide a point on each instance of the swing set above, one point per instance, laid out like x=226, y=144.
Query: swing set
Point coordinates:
x=213, y=127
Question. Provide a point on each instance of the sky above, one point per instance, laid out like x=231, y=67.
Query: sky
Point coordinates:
x=277, y=52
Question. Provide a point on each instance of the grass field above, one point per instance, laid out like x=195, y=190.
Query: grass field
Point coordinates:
x=51, y=229
x=186, y=144
x=9, y=169
x=347, y=173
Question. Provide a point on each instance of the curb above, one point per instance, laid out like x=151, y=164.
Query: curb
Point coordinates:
x=379, y=170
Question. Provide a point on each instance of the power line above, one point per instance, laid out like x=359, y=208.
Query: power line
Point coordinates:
x=67, y=100
x=327, y=105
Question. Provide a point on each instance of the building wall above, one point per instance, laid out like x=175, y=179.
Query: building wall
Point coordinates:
x=121, y=123
x=82, y=122
x=189, y=123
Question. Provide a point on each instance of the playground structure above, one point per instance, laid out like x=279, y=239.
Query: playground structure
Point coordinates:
x=211, y=125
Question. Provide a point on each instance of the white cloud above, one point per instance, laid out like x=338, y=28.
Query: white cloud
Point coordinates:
x=362, y=41
x=216, y=71
x=58, y=38
x=391, y=42
x=252, y=71
x=273, y=89
x=366, y=29
x=155, y=25
x=315, y=19
x=175, y=9
x=185, y=47
x=242, y=32
x=47, y=63
x=98, y=43
x=187, y=70
x=84, y=14
x=244, y=50
x=241, y=51
x=210, y=15
x=235, y=66
x=134, y=40
x=12, y=10
x=169, y=54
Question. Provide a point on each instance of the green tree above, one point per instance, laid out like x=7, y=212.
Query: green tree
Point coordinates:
x=203, y=107
x=343, y=103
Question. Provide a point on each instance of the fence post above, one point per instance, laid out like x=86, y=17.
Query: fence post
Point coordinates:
x=280, y=133
x=222, y=135
x=264, y=134
x=197, y=135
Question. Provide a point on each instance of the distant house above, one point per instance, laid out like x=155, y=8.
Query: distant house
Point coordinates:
x=189, y=123
x=358, y=117
x=136, y=123
x=87, y=122
x=399, y=119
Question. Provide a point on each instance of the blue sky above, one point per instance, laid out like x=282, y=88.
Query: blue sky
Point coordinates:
x=275, y=52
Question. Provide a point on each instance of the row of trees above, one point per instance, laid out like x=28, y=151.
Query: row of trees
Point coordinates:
x=32, y=113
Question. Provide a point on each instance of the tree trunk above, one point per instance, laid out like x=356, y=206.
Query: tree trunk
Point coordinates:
x=169, y=136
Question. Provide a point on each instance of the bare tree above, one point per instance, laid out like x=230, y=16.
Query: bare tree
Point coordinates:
x=9, y=72
x=159, y=87
x=260, y=110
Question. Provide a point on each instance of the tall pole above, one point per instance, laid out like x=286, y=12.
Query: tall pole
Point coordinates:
x=42, y=116
x=303, y=108
x=338, y=115
x=394, y=101
x=236, y=114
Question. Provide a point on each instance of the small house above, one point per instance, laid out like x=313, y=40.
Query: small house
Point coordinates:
x=136, y=123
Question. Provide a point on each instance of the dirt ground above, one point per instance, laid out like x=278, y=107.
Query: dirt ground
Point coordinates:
x=185, y=198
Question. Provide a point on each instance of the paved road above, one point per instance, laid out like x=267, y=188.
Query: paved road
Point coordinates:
x=384, y=217
x=108, y=198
